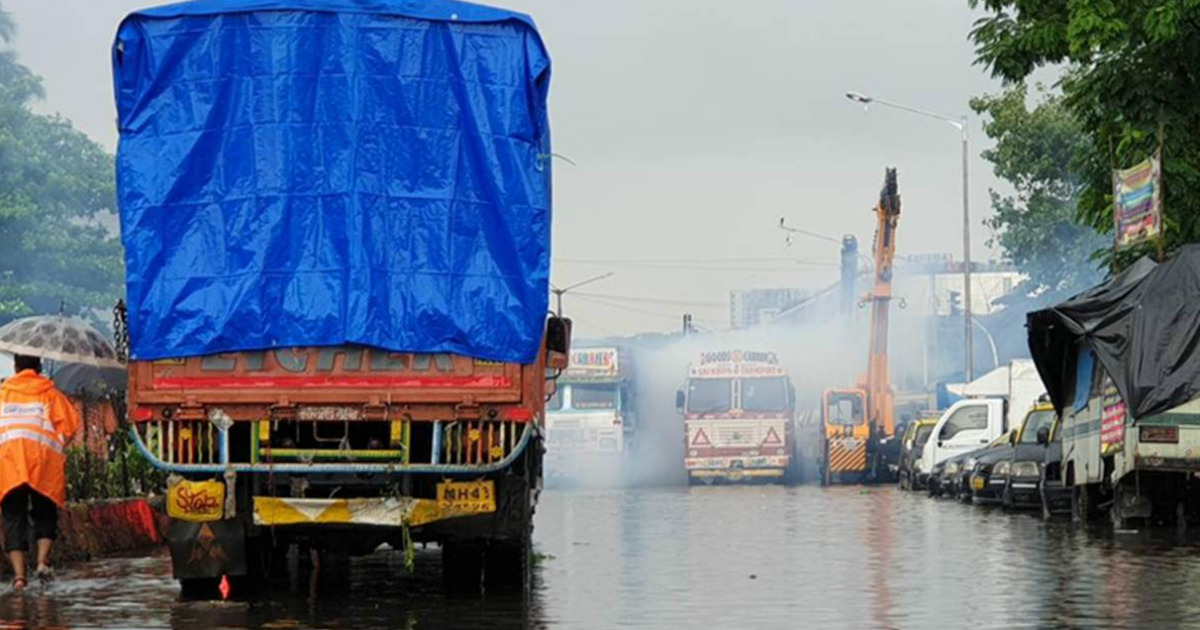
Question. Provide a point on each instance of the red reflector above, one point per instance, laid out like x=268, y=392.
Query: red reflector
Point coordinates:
x=772, y=438
x=143, y=413
x=1168, y=435
x=518, y=413
x=701, y=438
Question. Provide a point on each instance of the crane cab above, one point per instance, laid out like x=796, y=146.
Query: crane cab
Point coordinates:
x=847, y=432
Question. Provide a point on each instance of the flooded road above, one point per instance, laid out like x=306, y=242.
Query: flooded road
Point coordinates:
x=752, y=557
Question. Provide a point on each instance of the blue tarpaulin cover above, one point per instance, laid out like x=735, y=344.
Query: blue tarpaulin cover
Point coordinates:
x=322, y=172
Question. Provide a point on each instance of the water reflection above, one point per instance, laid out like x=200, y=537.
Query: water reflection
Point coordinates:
x=755, y=557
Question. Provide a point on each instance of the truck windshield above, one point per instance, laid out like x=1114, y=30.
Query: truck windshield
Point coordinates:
x=710, y=395
x=1035, y=421
x=764, y=394
x=593, y=396
x=923, y=432
x=845, y=409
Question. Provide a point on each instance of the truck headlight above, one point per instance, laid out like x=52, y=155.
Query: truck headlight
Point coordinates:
x=1025, y=469
x=918, y=466
x=951, y=468
x=1000, y=470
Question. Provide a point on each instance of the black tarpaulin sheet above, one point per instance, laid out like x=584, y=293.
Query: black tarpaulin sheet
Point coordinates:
x=1143, y=327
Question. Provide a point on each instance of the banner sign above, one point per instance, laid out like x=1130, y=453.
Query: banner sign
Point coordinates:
x=1137, y=202
x=1112, y=422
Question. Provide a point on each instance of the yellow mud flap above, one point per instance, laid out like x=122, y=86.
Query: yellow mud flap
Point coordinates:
x=196, y=501
x=381, y=512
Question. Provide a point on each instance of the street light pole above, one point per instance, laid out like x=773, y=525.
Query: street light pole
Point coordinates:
x=961, y=125
x=558, y=293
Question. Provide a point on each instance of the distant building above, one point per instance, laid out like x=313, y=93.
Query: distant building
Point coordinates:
x=751, y=307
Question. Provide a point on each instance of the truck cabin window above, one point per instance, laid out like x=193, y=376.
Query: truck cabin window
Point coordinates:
x=845, y=409
x=923, y=433
x=1036, y=421
x=710, y=395
x=556, y=401
x=965, y=419
x=593, y=396
x=764, y=394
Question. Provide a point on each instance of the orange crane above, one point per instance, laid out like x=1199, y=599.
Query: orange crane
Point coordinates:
x=858, y=421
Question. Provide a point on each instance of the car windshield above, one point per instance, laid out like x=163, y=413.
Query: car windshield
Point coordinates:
x=1036, y=421
x=593, y=396
x=923, y=433
x=709, y=395
x=764, y=394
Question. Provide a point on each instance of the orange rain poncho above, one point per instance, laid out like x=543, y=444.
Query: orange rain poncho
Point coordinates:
x=36, y=421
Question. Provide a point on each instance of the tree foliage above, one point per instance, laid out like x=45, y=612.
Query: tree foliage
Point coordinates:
x=1034, y=152
x=1130, y=67
x=56, y=192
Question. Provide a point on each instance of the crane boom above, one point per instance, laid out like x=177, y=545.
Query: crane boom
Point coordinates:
x=878, y=384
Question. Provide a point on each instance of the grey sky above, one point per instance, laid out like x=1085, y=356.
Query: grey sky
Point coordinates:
x=695, y=125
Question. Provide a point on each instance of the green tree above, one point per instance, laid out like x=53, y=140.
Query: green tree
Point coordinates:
x=1129, y=69
x=56, y=192
x=1034, y=151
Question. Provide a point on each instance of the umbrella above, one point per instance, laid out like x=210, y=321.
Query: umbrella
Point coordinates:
x=58, y=338
x=87, y=381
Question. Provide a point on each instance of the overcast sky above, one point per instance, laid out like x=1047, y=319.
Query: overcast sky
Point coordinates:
x=695, y=125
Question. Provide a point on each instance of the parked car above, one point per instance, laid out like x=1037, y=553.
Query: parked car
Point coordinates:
x=1024, y=477
x=911, y=467
x=990, y=472
x=1055, y=496
x=949, y=476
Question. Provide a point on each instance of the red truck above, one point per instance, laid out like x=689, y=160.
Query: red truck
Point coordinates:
x=343, y=449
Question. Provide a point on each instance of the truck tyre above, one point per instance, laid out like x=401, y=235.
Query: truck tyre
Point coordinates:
x=1083, y=500
x=462, y=566
x=508, y=564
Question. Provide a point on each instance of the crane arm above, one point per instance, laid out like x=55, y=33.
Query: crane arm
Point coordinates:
x=878, y=385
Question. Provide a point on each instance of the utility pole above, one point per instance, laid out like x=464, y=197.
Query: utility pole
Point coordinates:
x=558, y=293
x=688, y=327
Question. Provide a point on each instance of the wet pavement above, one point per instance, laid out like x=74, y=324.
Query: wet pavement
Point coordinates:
x=736, y=557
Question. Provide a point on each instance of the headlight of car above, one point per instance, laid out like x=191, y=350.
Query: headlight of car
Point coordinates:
x=1000, y=469
x=1025, y=469
x=951, y=468
x=970, y=463
x=918, y=466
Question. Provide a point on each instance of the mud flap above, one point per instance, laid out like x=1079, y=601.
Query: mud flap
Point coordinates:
x=207, y=550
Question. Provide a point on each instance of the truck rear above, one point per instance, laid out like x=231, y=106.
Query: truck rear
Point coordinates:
x=336, y=222
x=344, y=449
x=738, y=409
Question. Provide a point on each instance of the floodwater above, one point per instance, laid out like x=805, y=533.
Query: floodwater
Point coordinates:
x=724, y=557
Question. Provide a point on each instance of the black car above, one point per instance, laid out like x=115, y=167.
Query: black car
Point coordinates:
x=987, y=477
x=1024, y=474
x=1055, y=496
x=948, y=476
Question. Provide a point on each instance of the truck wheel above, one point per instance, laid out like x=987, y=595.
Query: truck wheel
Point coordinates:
x=1083, y=500
x=462, y=566
x=508, y=564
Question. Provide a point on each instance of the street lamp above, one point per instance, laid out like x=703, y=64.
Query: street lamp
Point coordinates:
x=558, y=293
x=961, y=125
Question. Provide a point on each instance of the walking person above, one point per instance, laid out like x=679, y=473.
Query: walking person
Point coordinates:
x=36, y=422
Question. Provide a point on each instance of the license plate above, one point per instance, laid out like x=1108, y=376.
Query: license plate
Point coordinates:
x=977, y=482
x=196, y=501
x=475, y=497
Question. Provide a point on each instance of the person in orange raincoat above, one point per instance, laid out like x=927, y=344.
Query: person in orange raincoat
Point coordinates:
x=36, y=421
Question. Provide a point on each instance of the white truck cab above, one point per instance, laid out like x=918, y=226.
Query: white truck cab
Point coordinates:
x=965, y=426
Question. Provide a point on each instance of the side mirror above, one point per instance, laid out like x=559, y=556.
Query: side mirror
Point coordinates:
x=1012, y=437
x=558, y=343
x=1043, y=436
x=679, y=400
